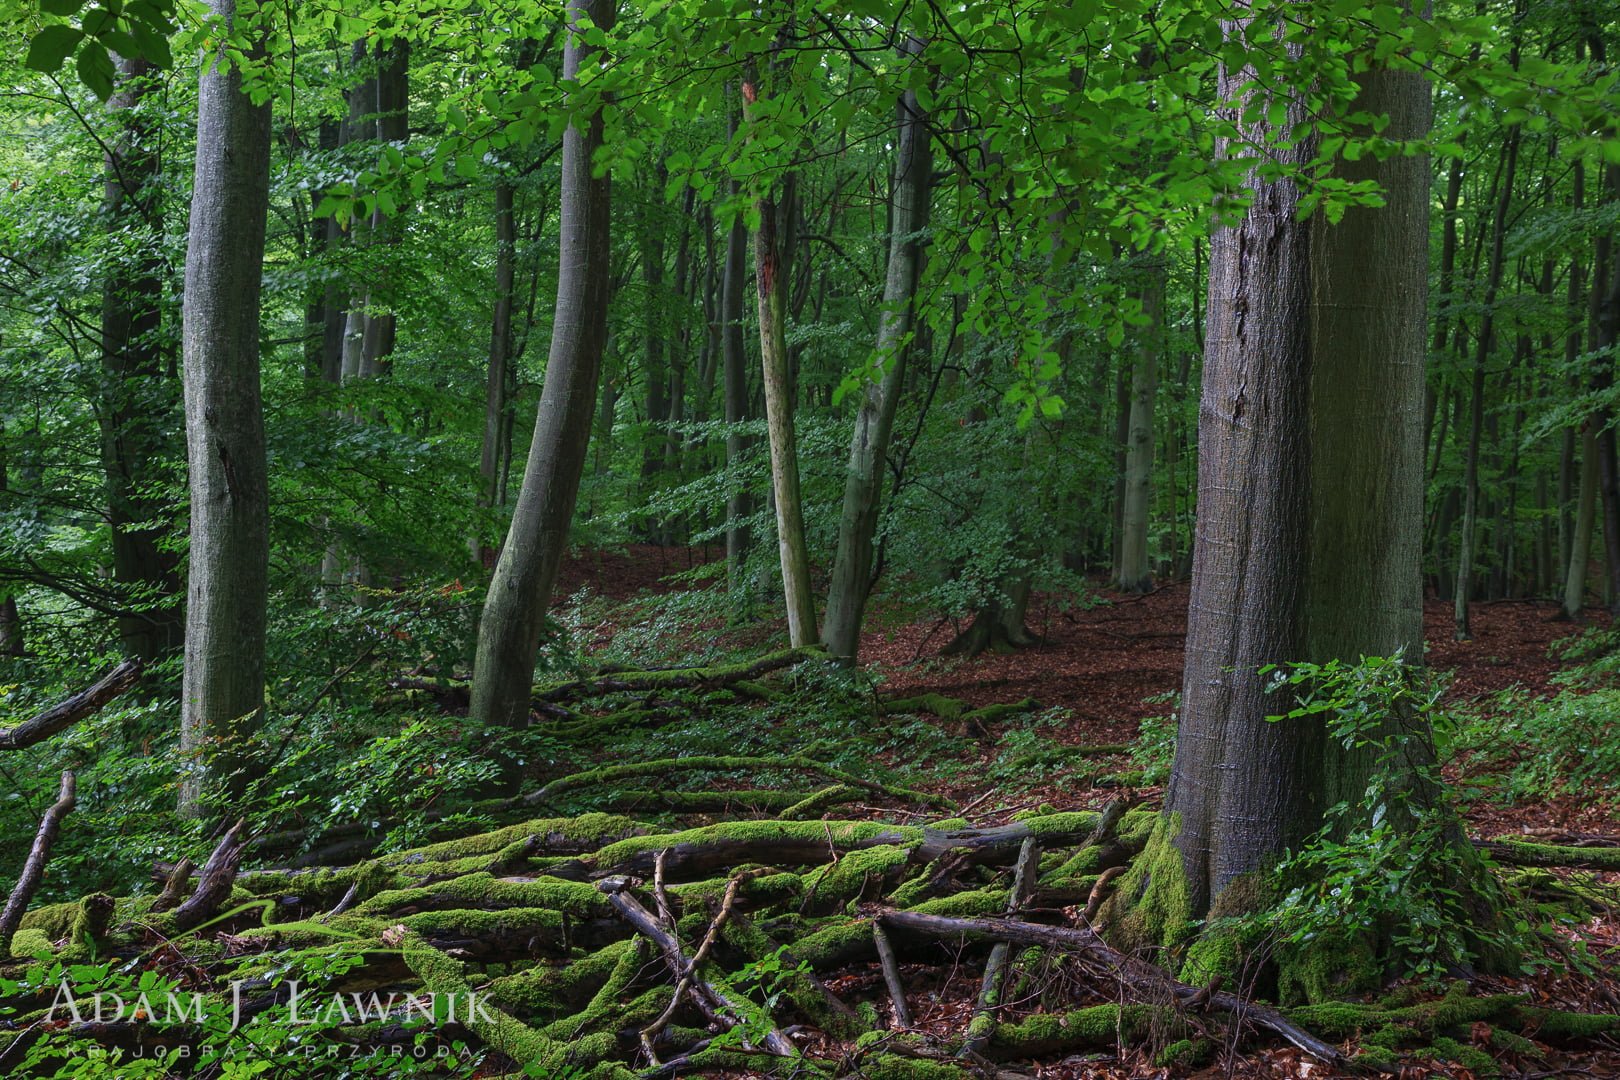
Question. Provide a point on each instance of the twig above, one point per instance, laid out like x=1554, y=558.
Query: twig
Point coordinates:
x=34, y=867
x=650, y=1032
x=1029, y=857
x=1099, y=893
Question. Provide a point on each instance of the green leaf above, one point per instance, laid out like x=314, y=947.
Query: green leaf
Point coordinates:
x=60, y=7
x=154, y=45
x=51, y=46
x=96, y=69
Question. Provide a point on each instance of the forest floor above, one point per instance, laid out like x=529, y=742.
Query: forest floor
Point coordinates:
x=1113, y=664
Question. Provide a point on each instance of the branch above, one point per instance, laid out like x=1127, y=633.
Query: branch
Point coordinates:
x=34, y=868
x=66, y=713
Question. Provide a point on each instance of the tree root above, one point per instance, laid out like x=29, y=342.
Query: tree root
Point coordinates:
x=559, y=924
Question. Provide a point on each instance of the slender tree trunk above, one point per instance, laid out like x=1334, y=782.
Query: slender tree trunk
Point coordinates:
x=1310, y=493
x=1580, y=547
x=1135, y=573
x=500, y=342
x=520, y=591
x=1605, y=330
x=139, y=396
x=880, y=397
x=12, y=642
x=770, y=278
x=1482, y=352
x=222, y=691
x=734, y=374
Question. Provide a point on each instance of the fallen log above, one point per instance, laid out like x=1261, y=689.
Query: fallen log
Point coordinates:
x=1523, y=853
x=1148, y=980
x=64, y=714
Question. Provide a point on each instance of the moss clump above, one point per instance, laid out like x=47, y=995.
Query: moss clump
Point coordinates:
x=1152, y=905
x=1185, y=1053
x=26, y=944
x=727, y=834
x=1097, y=1026
x=574, y=833
x=546, y=992
x=990, y=901
x=575, y=898
x=851, y=876
x=1469, y=1057
x=1552, y=1025
x=1328, y=969
x=55, y=920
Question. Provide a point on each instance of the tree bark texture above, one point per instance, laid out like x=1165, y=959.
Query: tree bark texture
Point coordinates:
x=1310, y=487
x=222, y=690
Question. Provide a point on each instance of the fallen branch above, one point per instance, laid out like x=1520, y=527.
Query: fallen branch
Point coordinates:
x=1520, y=853
x=718, y=1006
x=34, y=867
x=983, y=1024
x=66, y=713
x=676, y=678
x=651, y=1031
x=891, y=975
x=719, y=763
x=1146, y=978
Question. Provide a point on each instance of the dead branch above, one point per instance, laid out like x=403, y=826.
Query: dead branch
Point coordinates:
x=66, y=713
x=34, y=866
x=1138, y=975
x=215, y=881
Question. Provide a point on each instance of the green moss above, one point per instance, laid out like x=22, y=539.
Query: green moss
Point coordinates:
x=546, y=992
x=1553, y=855
x=898, y=1067
x=836, y=943
x=725, y=834
x=1375, y=1059
x=1185, y=1053
x=577, y=833
x=55, y=920
x=990, y=901
x=29, y=943
x=1327, y=969
x=1469, y=1057
x=835, y=883
x=1097, y=1026
x=1553, y=1025
x=1151, y=907
x=577, y=898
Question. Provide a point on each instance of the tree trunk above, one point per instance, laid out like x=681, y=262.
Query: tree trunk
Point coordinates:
x=1309, y=494
x=734, y=365
x=770, y=278
x=222, y=692
x=139, y=397
x=520, y=591
x=1135, y=574
x=1482, y=351
x=500, y=345
x=880, y=397
x=1580, y=547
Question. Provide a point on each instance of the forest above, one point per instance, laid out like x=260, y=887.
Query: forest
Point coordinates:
x=904, y=539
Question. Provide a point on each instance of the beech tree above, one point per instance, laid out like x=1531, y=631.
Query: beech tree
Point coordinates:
x=1309, y=489
x=222, y=693
x=515, y=608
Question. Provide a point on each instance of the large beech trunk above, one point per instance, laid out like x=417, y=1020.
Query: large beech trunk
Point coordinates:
x=880, y=397
x=222, y=692
x=1310, y=488
x=514, y=611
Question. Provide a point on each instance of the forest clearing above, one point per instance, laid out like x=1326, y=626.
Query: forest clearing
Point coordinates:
x=1056, y=539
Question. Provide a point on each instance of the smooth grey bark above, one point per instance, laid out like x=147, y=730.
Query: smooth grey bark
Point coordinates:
x=1486, y=339
x=734, y=377
x=222, y=690
x=139, y=396
x=520, y=591
x=880, y=397
x=1310, y=486
x=1135, y=573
